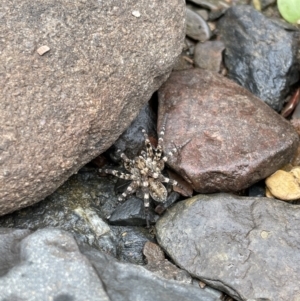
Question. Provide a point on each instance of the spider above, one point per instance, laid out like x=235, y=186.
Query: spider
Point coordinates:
x=145, y=171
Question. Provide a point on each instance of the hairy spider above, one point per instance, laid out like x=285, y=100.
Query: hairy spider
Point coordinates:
x=145, y=171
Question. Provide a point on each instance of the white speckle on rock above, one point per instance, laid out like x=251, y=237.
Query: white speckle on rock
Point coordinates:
x=136, y=13
x=43, y=49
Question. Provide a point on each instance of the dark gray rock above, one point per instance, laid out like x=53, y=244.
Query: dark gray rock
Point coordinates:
x=130, y=243
x=246, y=247
x=225, y=138
x=127, y=282
x=61, y=109
x=50, y=267
x=259, y=55
x=132, y=213
x=132, y=141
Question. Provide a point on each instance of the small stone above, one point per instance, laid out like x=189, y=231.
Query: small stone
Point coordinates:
x=196, y=26
x=285, y=185
x=136, y=13
x=43, y=49
x=208, y=55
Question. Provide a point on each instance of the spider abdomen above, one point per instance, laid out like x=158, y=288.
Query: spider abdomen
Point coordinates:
x=157, y=191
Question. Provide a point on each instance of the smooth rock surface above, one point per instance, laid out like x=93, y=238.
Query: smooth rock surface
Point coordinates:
x=61, y=109
x=225, y=139
x=246, y=247
x=259, y=55
x=196, y=27
x=50, y=267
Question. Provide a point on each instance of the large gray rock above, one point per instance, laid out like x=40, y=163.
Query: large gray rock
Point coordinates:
x=48, y=266
x=61, y=109
x=246, y=247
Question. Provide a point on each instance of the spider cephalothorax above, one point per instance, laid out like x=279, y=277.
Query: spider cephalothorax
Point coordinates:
x=145, y=171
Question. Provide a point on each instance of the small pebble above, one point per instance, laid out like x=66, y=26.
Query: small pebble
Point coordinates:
x=43, y=49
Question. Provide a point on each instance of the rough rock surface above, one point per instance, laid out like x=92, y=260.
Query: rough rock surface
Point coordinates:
x=47, y=265
x=226, y=138
x=81, y=207
x=259, y=55
x=61, y=109
x=246, y=247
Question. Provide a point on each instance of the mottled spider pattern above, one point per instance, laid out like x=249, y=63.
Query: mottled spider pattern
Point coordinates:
x=145, y=171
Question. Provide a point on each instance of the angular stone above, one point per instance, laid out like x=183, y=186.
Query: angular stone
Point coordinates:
x=259, y=55
x=246, y=247
x=50, y=267
x=285, y=185
x=60, y=110
x=226, y=139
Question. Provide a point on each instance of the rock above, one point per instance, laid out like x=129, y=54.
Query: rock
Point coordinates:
x=127, y=282
x=259, y=55
x=225, y=138
x=62, y=109
x=131, y=213
x=132, y=141
x=162, y=267
x=246, y=247
x=130, y=243
x=285, y=185
x=208, y=55
x=48, y=266
x=196, y=26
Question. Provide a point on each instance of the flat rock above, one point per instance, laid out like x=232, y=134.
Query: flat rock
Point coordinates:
x=246, y=247
x=225, y=139
x=59, y=108
x=260, y=55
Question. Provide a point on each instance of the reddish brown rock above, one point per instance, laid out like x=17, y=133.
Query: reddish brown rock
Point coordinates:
x=61, y=109
x=226, y=138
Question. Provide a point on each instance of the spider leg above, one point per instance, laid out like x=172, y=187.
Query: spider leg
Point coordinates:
x=127, y=162
x=159, y=149
x=163, y=179
x=118, y=174
x=134, y=185
x=145, y=189
x=148, y=145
